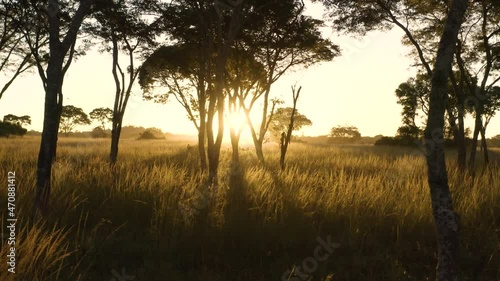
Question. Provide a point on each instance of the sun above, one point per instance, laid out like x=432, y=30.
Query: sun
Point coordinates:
x=236, y=120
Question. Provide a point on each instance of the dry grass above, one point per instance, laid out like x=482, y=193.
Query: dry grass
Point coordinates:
x=373, y=201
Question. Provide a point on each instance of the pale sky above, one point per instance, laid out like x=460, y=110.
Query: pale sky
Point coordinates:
x=354, y=89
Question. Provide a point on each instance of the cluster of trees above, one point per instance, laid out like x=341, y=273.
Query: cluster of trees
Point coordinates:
x=214, y=58
x=217, y=58
x=473, y=78
x=12, y=125
x=72, y=116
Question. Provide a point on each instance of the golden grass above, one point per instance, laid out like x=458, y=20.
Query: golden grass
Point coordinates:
x=373, y=201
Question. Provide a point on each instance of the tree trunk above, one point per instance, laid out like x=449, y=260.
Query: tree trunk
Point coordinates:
x=477, y=128
x=445, y=218
x=235, y=139
x=484, y=146
x=115, y=139
x=258, y=150
x=461, y=147
x=202, y=136
x=48, y=144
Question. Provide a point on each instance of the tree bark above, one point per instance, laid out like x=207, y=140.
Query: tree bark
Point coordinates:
x=53, y=82
x=484, y=146
x=445, y=218
x=49, y=134
x=478, y=124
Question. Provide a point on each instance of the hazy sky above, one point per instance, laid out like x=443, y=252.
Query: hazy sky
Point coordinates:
x=354, y=89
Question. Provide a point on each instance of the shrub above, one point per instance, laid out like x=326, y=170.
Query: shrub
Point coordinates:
x=9, y=129
x=98, y=132
x=149, y=135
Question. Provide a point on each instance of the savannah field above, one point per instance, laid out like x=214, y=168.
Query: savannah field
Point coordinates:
x=147, y=220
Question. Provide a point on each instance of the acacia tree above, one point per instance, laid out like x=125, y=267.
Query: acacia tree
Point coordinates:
x=282, y=38
x=413, y=96
x=286, y=136
x=123, y=27
x=102, y=115
x=18, y=120
x=281, y=121
x=60, y=22
x=368, y=15
x=71, y=117
x=445, y=218
x=15, y=54
x=245, y=78
x=179, y=69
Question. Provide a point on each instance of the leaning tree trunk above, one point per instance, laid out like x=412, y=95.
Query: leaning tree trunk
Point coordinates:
x=445, y=218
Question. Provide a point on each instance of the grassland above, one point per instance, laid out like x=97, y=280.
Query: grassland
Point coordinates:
x=372, y=201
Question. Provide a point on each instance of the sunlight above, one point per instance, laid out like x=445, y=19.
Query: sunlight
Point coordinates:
x=236, y=120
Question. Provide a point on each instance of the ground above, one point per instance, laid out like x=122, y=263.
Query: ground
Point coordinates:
x=337, y=213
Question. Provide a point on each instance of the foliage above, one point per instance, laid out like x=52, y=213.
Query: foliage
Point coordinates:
x=19, y=120
x=98, y=132
x=345, y=132
x=71, y=117
x=151, y=134
x=11, y=129
x=281, y=120
x=102, y=115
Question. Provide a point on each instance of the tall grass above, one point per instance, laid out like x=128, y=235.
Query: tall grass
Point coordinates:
x=373, y=201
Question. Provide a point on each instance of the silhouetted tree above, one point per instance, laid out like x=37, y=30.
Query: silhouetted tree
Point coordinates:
x=125, y=29
x=281, y=121
x=71, y=117
x=102, y=115
x=446, y=219
x=15, y=54
x=180, y=70
x=286, y=136
x=345, y=132
x=61, y=22
x=302, y=46
x=18, y=120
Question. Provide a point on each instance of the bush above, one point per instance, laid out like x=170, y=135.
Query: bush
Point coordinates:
x=9, y=129
x=98, y=132
x=149, y=135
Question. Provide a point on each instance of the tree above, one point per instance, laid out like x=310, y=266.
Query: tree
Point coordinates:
x=61, y=22
x=414, y=98
x=7, y=129
x=302, y=47
x=71, y=117
x=98, y=132
x=363, y=16
x=18, y=120
x=281, y=121
x=15, y=54
x=181, y=71
x=345, y=132
x=102, y=115
x=293, y=123
x=445, y=218
x=124, y=29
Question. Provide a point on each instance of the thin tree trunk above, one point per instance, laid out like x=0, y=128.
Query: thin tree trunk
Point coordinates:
x=475, y=137
x=445, y=218
x=484, y=146
x=115, y=140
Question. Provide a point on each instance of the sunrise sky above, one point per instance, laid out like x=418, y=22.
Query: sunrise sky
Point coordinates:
x=354, y=89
